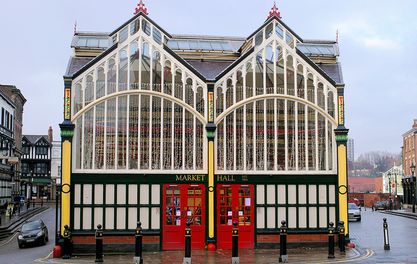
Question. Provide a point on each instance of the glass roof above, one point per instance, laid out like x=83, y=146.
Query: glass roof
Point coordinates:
x=212, y=45
x=92, y=42
x=318, y=49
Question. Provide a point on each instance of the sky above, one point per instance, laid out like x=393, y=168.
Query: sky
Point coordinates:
x=378, y=51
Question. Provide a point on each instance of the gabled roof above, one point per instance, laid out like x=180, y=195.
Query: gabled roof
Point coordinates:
x=33, y=139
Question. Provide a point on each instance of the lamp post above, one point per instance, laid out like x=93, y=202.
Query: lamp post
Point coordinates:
x=389, y=183
x=412, y=168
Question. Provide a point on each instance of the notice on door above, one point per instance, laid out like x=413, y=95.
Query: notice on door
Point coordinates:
x=247, y=201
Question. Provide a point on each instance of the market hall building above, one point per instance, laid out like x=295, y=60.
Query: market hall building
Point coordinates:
x=165, y=129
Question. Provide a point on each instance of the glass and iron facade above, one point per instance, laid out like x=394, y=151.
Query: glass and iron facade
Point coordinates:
x=149, y=127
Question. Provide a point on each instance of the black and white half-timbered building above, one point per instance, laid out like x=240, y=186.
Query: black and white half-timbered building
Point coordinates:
x=36, y=166
x=166, y=129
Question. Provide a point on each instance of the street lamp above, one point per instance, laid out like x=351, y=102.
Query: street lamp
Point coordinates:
x=413, y=168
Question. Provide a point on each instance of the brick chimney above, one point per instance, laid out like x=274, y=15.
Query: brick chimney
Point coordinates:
x=50, y=134
x=415, y=123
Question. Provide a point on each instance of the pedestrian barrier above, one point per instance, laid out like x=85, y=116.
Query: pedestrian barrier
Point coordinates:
x=99, y=244
x=386, y=235
x=235, y=244
x=187, y=253
x=331, y=240
x=138, y=244
x=66, y=249
x=283, y=257
x=341, y=230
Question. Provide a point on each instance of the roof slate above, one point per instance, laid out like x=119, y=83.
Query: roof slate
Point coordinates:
x=333, y=70
x=209, y=69
x=75, y=64
x=35, y=138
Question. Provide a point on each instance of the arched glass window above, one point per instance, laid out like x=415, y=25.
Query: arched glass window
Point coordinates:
x=269, y=58
x=134, y=66
x=78, y=141
x=179, y=89
x=121, y=132
x=239, y=86
x=250, y=130
x=240, y=138
x=122, y=70
x=301, y=136
x=200, y=106
x=167, y=135
x=229, y=155
x=111, y=133
x=291, y=134
x=167, y=78
x=100, y=83
x=156, y=74
x=145, y=126
x=189, y=138
x=280, y=120
x=78, y=98
x=330, y=144
x=290, y=76
x=133, y=131
x=89, y=90
x=156, y=132
x=259, y=74
x=99, y=143
x=312, y=156
x=279, y=63
x=320, y=95
x=330, y=104
x=229, y=93
x=178, y=137
x=310, y=88
x=260, y=135
x=220, y=146
x=219, y=101
x=189, y=93
x=249, y=81
x=145, y=67
x=300, y=82
x=111, y=77
x=270, y=134
x=321, y=132
x=88, y=139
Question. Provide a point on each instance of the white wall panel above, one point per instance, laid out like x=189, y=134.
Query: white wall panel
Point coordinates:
x=98, y=194
x=144, y=217
x=133, y=194
x=87, y=218
x=302, y=194
x=270, y=194
x=132, y=218
x=302, y=217
x=292, y=194
x=312, y=194
x=87, y=194
x=121, y=194
x=322, y=194
x=332, y=215
x=156, y=194
x=282, y=215
x=155, y=217
x=98, y=217
x=292, y=217
x=109, y=218
x=77, y=194
x=270, y=221
x=323, y=217
x=121, y=218
x=77, y=218
x=144, y=194
x=260, y=194
x=281, y=194
x=312, y=217
x=260, y=217
x=109, y=194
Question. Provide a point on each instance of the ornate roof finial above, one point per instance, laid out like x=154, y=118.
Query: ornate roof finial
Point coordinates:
x=141, y=8
x=274, y=12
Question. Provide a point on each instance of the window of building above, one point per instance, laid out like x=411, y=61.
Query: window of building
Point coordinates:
x=41, y=168
x=25, y=150
x=41, y=150
x=25, y=168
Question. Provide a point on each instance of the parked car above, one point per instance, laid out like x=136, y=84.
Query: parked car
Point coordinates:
x=33, y=232
x=380, y=205
x=354, y=212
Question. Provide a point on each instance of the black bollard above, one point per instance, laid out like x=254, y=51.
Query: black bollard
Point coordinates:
x=187, y=253
x=283, y=257
x=99, y=244
x=66, y=249
x=342, y=237
x=138, y=244
x=386, y=235
x=331, y=240
x=235, y=244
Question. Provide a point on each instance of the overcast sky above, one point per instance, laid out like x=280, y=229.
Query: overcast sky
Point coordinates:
x=378, y=51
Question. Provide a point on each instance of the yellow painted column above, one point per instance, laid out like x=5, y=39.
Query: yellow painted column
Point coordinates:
x=66, y=183
x=211, y=189
x=343, y=185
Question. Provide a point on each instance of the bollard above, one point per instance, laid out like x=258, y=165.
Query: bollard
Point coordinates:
x=386, y=235
x=99, y=244
x=342, y=237
x=187, y=253
x=235, y=244
x=331, y=240
x=138, y=244
x=66, y=249
x=283, y=257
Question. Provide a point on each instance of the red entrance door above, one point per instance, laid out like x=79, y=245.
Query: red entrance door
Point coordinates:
x=235, y=203
x=182, y=203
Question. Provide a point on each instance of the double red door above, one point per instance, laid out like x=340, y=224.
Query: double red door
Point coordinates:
x=235, y=203
x=182, y=203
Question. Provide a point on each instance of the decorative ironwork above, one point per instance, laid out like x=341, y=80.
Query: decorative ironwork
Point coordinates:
x=274, y=12
x=141, y=8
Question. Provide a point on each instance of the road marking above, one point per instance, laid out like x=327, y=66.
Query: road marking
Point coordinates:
x=369, y=253
x=8, y=241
